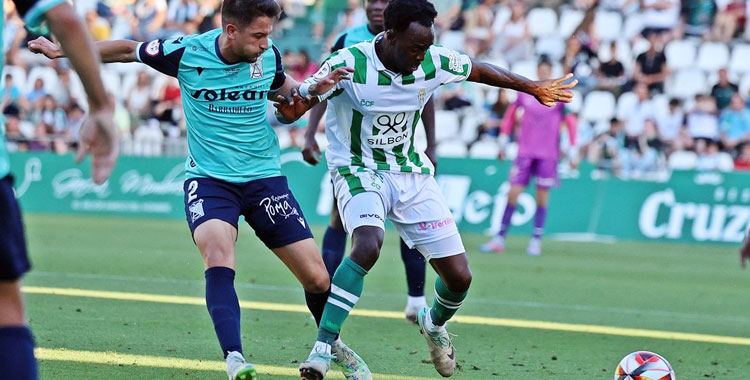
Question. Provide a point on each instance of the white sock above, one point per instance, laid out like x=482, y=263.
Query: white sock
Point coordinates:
x=322, y=347
x=419, y=302
x=428, y=325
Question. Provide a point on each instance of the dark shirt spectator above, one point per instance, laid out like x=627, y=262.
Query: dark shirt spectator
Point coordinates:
x=723, y=90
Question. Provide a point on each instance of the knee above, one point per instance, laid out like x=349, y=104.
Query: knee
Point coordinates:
x=320, y=283
x=217, y=254
x=366, y=248
x=461, y=281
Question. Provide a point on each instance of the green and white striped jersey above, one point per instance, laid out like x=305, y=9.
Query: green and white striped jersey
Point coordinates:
x=372, y=117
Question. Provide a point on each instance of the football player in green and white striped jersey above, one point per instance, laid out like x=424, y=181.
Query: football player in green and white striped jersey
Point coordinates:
x=378, y=173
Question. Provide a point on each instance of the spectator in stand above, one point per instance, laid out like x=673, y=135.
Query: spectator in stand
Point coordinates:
x=149, y=18
x=477, y=29
x=604, y=150
x=303, y=67
x=138, y=101
x=636, y=117
x=40, y=140
x=612, y=73
x=37, y=93
x=586, y=30
x=642, y=156
x=699, y=17
x=730, y=21
x=723, y=90
x=491, y=126
x=735, y=123
x=651, y=66
x=49, y=115
x=743, y=160
x=98, y=27
x=168, y=107
x=670, y=125
x=15, y=141
x=183, y=16
x=582, y=62
x=708, y=155
x=660, y=17
x=11, y=94
x=513, y=41
x=73, y=121
x=702, y=121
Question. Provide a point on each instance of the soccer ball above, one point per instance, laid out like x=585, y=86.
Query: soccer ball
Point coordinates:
x=644, y=365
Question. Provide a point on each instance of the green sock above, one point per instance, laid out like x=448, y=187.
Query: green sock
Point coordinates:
x=346, y=287
x=446, y=303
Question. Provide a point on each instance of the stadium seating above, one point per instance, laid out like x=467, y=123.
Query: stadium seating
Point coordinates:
x=625, y=104
x=18, y=74
x=447, y=125
x=598, y=106
x=682, y=160
x=713, y=56
x=569, y=21
x=542, y=22
x=452, y=148
x=485, y=148
x=687, y=83
x=740, y=60
x=608, y=25
x=725, y=162
x=680, y=54
x=553, y=46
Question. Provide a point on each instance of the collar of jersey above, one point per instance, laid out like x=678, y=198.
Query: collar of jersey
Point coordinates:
x=378, y=64
x=218, y=51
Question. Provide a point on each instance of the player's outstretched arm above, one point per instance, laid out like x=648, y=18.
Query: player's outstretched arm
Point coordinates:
x=109, y=51
x=98, y=134
x=305, y=96
x=547, y=92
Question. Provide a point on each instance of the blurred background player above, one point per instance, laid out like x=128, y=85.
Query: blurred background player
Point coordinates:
x=233, y=166
x=334, y=240
x=378, y=172
x=98, y=137
x=538, y=154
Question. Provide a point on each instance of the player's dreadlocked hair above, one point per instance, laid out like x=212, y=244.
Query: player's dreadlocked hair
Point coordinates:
x=243, y=12
x=399, y=14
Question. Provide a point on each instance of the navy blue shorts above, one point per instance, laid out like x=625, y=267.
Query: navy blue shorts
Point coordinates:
x=267, y=205
x=14, y=261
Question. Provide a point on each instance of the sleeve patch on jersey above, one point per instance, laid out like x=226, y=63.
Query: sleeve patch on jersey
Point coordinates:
x=323, y=71
x=152, y=48
x=454, y=62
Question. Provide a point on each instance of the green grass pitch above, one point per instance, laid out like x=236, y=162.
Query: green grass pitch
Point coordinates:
x=666, y=287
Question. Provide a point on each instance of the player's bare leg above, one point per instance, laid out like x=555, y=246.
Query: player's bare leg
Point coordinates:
x=497, y=244
x=346, y=289
x=11, y=304
x=215, y=240
x=451, y=288
x=535, y=244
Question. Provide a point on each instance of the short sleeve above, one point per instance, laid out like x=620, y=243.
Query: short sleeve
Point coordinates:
x=162, y=55
x=333, y=62
x=452, y=66
x=279, y=77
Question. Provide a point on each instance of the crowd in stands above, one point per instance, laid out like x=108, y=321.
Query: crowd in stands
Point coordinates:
x=664, y=84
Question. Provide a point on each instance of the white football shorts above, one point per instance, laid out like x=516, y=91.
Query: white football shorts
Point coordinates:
x=411, y=201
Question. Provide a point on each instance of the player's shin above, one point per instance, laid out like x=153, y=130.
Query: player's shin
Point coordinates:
x=346, y=288
x=224, y=308
x=17, y=353
x=316, y=303
x=539, y=218
x=447, y=303
x=334, y=247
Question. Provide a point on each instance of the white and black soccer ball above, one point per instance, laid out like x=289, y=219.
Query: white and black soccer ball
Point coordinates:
x=644, y=365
